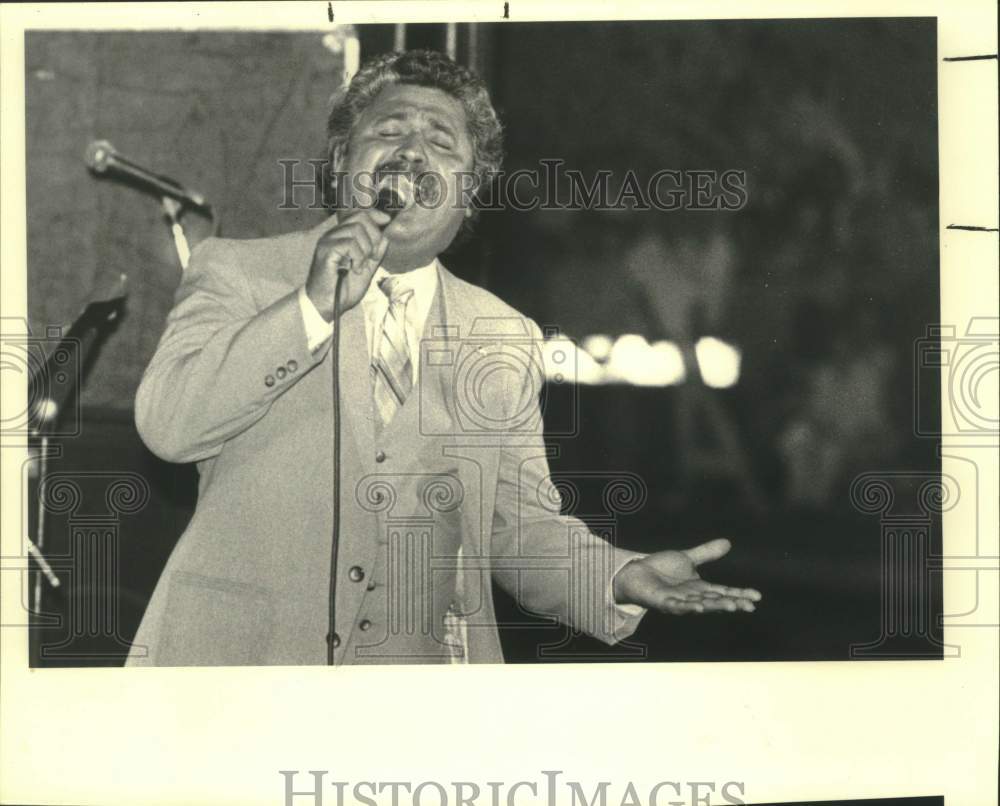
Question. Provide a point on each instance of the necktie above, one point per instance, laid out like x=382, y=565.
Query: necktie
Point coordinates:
x=392, y=371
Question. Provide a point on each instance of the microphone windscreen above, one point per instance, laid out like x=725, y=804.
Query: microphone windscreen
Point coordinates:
x=389, y=202
x=99, y=154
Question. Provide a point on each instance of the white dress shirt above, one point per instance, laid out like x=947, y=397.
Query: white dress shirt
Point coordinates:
x=375, y=304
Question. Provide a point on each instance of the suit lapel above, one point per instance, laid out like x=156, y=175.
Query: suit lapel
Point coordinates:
x=355, y=381
x=440, y=352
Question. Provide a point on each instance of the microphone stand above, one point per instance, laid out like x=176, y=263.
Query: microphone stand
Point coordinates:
x=172, y=208
x=36, y=547
x=83, y=338
x=103, y=160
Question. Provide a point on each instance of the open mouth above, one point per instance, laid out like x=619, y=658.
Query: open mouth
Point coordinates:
x=409, y=186
x=400, y=181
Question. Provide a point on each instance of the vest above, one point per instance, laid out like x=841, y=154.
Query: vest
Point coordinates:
x=396, y=578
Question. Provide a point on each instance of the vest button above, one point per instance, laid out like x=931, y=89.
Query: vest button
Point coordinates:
x=292, y=365
x=280, y=372
x=333, y=640
x=269, y=380
x=356, y=574
x=380, y=456
x=371, y=585
x=365, y=625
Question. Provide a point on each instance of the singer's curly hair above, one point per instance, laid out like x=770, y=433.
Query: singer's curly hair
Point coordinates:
x=422, y=68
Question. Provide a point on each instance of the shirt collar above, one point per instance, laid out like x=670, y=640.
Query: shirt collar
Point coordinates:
x=423, y=281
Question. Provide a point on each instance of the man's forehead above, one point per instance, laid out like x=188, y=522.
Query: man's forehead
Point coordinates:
x=416, y=100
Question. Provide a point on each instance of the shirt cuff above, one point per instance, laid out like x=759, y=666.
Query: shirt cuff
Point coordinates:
x=318, y=330
x=627, y=616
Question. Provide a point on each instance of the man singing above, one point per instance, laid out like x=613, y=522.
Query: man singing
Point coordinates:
x=435, y=435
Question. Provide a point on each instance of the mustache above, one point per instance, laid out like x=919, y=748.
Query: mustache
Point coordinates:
x=395, y=168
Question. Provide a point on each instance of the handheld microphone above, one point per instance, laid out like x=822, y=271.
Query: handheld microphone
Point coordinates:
x=389, y=201
x=102, y=157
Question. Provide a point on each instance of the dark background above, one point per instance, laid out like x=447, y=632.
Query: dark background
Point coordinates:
x=825, y=281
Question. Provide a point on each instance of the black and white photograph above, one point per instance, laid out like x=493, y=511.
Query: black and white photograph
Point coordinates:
x=574, y=344
x=643, y=381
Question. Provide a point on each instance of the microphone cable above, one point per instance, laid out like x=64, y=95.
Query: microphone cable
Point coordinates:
x=331, y=634
x=389, y=202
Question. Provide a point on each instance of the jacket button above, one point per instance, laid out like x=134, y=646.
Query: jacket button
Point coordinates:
x=334, y=640
x=280, y=372
x=365, y=625
x=269, y=380
x=371, y=585
x=356, y=573
x=292, y=365
x=379, y=456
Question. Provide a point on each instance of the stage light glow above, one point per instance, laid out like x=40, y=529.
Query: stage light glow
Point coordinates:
x=629, y=361
x=46, y=410
x=718, y=362
x=598, y=346
x=632, y=360
x=668, y=362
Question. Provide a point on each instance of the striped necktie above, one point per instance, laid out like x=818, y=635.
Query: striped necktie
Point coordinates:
x=392, y=372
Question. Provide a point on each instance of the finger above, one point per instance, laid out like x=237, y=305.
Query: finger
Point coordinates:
x=348, y=255
x=334, y=220
x=379, y=218
x=722, y=604
x=697, y=594
x=681, y=608
x=729, y=605
x=375, y=258
x=338, y=223
x=671, y=595
x=671, y=598
x=366, y=220
x=369, y=215
x=744, y=604
x=725, y=590
x=703, y=588
x=357, y=232
x=706, y=552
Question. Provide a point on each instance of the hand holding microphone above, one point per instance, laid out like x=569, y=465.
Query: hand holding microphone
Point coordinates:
x=356, y=242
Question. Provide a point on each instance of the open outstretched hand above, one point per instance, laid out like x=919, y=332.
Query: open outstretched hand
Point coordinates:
x=668, y=581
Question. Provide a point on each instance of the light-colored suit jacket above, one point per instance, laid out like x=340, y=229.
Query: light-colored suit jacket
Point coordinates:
x=234, y=387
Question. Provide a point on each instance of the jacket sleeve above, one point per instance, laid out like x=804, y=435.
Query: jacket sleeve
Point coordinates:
x=221, y=362
x=551, y=563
